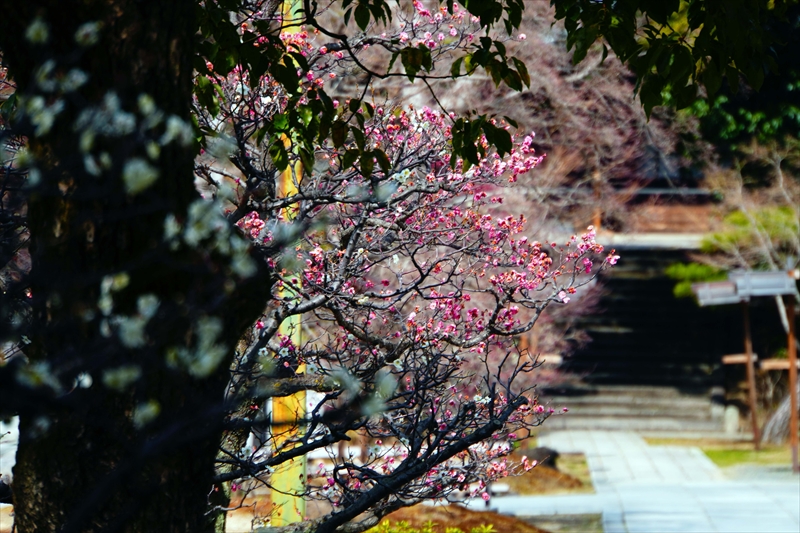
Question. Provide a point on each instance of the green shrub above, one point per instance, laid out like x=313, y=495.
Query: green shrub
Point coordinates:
x=688, y=273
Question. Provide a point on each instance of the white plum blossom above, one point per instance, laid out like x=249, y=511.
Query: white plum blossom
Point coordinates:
x=87, y=33
x=177, y=129
x=145, y=412
x=38, y=32
x=138, y=175
x=122, y=377
x=206, y=355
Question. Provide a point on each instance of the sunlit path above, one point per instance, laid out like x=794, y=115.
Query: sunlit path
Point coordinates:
x=647, y=489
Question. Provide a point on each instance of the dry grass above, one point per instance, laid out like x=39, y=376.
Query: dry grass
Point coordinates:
x=544, y=480
x=575, y=523
x=444, y=516
x=727, y=453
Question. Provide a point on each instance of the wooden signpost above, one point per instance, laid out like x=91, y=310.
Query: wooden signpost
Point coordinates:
x=739, y=288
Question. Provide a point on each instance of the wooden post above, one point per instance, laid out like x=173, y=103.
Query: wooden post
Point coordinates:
x=597, y=216
x=792, y=356
x=751, y=375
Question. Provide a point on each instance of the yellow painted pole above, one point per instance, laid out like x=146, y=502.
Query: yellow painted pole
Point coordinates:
x=289, y=479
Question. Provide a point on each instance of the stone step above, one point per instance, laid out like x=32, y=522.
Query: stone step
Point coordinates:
x=665, y=376
x=634, y=407
x=631, y=403
x=637, y=412
x=629, y=391
x=706, y=412
x=642, y=424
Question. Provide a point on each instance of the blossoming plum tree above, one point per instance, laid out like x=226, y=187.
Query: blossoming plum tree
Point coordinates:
x=155, y=322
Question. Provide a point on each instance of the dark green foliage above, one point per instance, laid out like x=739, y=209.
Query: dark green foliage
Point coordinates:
x=466, y=137
x=738, y=114
x=674, y=47
x=221, y=48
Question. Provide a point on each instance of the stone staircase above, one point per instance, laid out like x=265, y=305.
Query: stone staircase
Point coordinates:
x=644, y=409
x=654, y=364
x=643, y=335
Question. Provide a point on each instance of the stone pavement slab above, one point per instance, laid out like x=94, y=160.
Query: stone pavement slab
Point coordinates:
x=669, y=489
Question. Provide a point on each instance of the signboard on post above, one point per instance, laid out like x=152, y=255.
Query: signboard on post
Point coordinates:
x=749, y=283
x=716, y=293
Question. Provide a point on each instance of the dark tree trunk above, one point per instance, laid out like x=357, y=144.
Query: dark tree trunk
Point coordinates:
x=82, y=464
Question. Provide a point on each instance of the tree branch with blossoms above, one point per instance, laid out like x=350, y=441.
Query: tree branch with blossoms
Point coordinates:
x=407, y=288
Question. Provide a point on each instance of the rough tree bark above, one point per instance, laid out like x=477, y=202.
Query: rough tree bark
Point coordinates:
x=82, y=465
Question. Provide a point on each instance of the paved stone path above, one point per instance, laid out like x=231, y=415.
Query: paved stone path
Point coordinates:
x=663, y=489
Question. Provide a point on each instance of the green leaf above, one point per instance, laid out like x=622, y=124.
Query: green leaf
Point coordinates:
x=8, y=106
x=497, y=137
x=286, y=76
x=488, y=131
x=383, y=161
x=696, y=14
x=470, y=152
x=523, y=71
x=455, y=68
x=277, y=151
x=324, y=128
x=395, y=55
x=682, y=66
x=661, y=10
x=260, y=134
x=732, y=75
x=206, y=92
x=362, y=16
x=307, y=158
x=712, y=78
x=685, y=96
x=280, y=122
x=338, y=133
x=300, y=61
x=457, y=139
x=359, y=137
x=349, y=158
x=512, y=80
x=502, y=140
x=306, y=114
x=367, y=162
x=326, y=102
x=415, y=59
x=650, y=93
x=427, y=59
